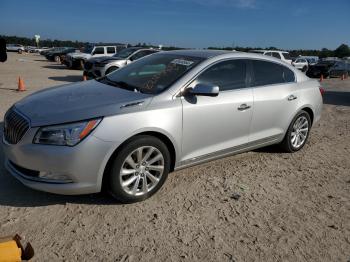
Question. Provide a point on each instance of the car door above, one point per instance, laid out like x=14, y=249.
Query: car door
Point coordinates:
x=275, y=100
x=216, y=125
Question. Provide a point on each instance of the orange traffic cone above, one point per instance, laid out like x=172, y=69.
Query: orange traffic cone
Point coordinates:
x=321, y=78
x=84, y=78
x=21, y=86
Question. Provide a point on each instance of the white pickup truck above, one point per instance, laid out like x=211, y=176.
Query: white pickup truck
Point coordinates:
x=77, y=59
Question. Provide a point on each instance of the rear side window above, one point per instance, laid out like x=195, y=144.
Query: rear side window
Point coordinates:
x=277, y=55
x=268, y=73
x=110, y=50
x=228, y=75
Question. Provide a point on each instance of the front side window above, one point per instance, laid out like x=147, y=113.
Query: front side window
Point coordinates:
x=153, y=74
x=269, y=73
x=228, y=75
x=99, y=51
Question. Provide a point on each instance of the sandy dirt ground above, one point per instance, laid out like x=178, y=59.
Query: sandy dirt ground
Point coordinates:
x=258, y=206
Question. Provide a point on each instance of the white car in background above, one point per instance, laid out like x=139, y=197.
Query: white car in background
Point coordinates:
x=283, y=55
x=77, y=59
x=301, y=64
x=15, y=48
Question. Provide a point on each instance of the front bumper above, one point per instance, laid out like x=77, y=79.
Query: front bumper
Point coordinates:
x=84, y=164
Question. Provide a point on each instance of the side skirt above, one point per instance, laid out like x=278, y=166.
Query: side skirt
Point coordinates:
x=229, y=151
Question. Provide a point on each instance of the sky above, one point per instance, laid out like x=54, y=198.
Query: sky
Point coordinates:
x=286, y=24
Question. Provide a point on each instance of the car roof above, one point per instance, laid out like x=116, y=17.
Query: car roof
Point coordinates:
x=198, y=53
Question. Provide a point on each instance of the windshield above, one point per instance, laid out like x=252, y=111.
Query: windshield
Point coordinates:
x=152, y=74
x=125, y=52
x=87, y=50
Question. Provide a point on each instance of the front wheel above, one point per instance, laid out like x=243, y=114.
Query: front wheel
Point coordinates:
x=297, y=133
x=139, y=169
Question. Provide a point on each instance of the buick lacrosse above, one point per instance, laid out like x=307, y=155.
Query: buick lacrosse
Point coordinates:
x=126, y=131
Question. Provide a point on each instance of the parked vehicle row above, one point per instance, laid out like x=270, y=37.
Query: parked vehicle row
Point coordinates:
x=329, y=68
x=283, y=55
x=78, y=59
x=101, y=66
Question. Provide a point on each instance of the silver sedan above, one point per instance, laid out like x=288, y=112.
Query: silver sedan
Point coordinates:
x=126, y=131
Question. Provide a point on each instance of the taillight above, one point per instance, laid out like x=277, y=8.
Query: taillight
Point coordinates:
x=322, y=91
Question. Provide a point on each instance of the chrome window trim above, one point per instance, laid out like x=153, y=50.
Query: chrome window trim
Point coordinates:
x=189, y=82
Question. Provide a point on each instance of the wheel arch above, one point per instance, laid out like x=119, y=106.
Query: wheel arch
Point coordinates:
x=164, y=138
x=308, y=110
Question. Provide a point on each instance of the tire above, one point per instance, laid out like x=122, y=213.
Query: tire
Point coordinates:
x=137, y=172
x=288, y=144
x=304, y=69
x=111, y=69
x=57, y=59
x=20, y=51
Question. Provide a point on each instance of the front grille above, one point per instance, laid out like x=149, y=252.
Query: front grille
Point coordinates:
x=15, y=126
x=88, y=65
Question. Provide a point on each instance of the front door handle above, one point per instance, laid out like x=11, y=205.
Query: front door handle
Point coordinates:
x=292, y=97
x=243, y=107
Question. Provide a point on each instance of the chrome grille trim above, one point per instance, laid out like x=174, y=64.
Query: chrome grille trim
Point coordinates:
x=15, y=126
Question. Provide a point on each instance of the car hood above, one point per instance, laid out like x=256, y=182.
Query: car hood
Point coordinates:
x=79, y=101
x=98, y=59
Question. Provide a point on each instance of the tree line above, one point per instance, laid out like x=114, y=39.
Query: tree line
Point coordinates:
x=342, y=51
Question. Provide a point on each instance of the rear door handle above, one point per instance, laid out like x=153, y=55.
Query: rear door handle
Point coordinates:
x=243, y=107
x=292, y=97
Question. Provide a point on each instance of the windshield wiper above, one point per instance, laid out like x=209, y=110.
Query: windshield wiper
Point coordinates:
x=120, y=84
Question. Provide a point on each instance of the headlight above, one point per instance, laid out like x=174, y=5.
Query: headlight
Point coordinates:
x=65, y=135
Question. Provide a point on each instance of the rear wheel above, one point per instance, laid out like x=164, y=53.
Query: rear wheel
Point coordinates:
x=57, y=59
x=139, y=169
x=297, y=133
x=81, y=64
x=19, y=51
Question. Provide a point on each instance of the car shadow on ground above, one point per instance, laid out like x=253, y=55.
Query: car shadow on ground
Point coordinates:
x=69, y=78
x=14, y=194
x=336, y=98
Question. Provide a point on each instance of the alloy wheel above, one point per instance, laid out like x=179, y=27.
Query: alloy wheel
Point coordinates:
x=299, y=132
x=142, y=170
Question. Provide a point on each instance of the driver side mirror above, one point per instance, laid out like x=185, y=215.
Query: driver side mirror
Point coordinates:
x=203, y=90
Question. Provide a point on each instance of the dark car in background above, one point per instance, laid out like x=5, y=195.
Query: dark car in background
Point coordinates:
x=57, y=55
x=52, y=49
x=339, y=69
x=321, y=68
